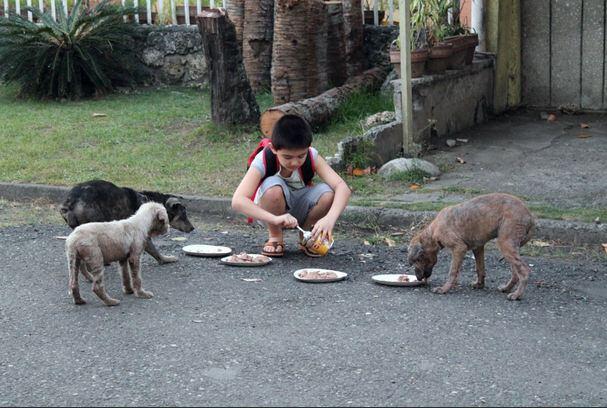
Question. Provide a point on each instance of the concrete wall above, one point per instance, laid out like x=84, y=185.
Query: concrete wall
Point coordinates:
x=174, y=56
x=442, y=105
x=563, y=53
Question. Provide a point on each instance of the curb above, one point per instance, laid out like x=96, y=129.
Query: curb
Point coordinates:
x=573, y=232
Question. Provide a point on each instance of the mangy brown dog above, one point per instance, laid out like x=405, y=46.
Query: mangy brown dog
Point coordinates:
x=469, y=226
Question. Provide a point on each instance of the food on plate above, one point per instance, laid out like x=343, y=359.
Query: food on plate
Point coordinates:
x=403, y=278
x=317, y=275
x=243, y=257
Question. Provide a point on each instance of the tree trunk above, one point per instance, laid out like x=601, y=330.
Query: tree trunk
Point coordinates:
x=336, y=63
x=319, y=109
x=232, y=100
x=289, y=59
x=258, y=32
x=235, y=9
x=353, y=33
x=295, y=70
x=318, y=78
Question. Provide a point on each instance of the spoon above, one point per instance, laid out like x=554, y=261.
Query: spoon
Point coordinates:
x=306, y=234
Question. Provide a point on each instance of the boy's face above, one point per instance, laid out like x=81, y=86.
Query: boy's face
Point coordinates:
x=291, y=159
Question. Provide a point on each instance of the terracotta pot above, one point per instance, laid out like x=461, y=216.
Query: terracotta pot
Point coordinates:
x=460, y=49
x=418, y=61
x=471, y=42
x=438, y=58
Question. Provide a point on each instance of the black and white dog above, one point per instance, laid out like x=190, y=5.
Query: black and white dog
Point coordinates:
x=102, y=201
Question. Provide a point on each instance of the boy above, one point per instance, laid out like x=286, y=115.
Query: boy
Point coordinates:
x=279, y=179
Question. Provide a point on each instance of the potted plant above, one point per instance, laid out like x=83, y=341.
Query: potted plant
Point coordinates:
x=453, y=32
x=369, y=15
x=441, y=51
x=418, y=43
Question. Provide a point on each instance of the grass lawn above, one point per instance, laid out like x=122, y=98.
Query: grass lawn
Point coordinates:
x=164, y=140
x=157, y=139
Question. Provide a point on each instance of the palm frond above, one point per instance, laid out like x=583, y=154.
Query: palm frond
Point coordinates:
x=84, y=52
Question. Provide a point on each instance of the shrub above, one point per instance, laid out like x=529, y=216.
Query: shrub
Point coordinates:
x=89, y=52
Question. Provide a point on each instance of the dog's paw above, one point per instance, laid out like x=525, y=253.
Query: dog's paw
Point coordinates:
x=127, y=291
x=144, y=294
x=514, y=296
x=441, y=290
x=79, y=301
x=167, y=259
x=112, y=302
x=478, y=285
x=504, y=288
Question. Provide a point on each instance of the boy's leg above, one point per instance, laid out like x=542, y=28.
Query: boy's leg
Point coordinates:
x=321, y=209
x=312, y=204
x=273, y=199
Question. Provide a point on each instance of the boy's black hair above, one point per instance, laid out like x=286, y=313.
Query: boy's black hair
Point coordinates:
x=291, y=132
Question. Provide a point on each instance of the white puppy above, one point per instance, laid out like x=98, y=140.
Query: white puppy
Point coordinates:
x=101, y=243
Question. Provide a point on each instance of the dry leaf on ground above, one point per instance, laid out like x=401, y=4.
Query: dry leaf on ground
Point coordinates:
x=584, y=125
x=363, y=172
x=179, y=239
x=99, y=115
x=414, y=186
x=366, y=242
x=539, y=243
x=251, y=279
x=460, y=160
x=583, y=135
x=605, y=247
x=390, y=242
x=551, y=117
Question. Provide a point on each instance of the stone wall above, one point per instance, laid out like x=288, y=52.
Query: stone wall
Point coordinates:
x=376, y=44
x=173, y=55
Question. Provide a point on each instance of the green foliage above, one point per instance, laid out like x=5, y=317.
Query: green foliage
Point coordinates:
x=361, y=155
x=414, y=175
x=88, y=52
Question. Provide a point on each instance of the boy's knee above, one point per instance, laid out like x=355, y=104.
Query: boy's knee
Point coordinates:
x=326, y=200
x=273, y=194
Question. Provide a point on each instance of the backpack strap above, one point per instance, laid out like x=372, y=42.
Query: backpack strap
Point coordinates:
x=308, y=169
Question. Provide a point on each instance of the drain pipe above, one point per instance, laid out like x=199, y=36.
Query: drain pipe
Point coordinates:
x=478, y=23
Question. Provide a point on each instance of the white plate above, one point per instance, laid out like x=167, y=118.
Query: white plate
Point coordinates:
x=392, y=280
x=206, y=250
x=340, y=275
x=266, y=260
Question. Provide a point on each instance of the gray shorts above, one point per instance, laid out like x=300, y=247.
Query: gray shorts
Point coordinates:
x=299, y=202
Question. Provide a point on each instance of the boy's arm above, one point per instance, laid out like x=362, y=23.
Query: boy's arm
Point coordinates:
x=242, y=203
x=340, y=199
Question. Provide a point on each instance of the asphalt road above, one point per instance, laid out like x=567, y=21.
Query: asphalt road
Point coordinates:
x=210, y=338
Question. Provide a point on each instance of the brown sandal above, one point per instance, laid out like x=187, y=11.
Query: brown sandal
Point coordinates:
x=274, y=244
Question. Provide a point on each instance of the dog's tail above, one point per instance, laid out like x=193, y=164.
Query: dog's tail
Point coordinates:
x=531, y=229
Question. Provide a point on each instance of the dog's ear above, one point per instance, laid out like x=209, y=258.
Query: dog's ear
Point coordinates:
x=415, y=252
x=161, y=215
x=171, y=201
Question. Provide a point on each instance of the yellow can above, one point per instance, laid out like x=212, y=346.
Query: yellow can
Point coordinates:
x=321, y=246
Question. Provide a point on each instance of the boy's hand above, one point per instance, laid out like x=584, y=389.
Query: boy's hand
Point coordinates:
x=323, y=228
x=285, y=221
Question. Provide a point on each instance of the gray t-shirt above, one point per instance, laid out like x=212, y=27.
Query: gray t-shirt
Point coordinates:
x=294, y=182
